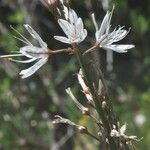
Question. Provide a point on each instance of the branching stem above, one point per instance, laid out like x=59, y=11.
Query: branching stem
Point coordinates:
x=102, y=114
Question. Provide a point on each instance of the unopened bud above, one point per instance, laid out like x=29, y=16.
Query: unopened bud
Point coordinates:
x=86, y=90
x=107, y=141
x=82, y=129
x=128, y=142
x=86, y=111
x=114, y=126
x=104, y=104
x=99, y=134
x=104, y=97
x=114, y=133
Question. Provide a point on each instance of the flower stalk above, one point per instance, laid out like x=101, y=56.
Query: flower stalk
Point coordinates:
x=98, y=106
x=67, y=50
x=90, y=49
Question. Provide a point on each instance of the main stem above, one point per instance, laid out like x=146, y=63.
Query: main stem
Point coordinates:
x=99, y=109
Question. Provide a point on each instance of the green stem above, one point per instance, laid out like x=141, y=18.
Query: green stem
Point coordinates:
x=101, y=113
x=90, y=50
x=93, y=136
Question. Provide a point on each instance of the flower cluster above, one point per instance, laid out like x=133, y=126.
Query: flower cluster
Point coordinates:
x=73, y=27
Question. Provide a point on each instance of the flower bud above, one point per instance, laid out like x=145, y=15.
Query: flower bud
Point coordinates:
x=86, y=111
x=82, y=129
x=104, y=104
x=114, y=133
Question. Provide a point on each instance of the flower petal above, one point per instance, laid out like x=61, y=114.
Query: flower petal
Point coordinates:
x=79, y=26
x=24, y=39
x=35, y=35
x=123, y=129
x=11, y=55
x=66, y=27
x=66, y=12
x=116, y=35
x=121, y=35
x=32, y=51
x=94, y=22
x=62, y=39
x=83, y=35
x=120, y=48
x=104, y=25
x=72, y=16
x=24, y=61
x=30, y=71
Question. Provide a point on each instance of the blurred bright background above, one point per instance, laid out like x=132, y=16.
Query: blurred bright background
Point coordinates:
x=28, y=106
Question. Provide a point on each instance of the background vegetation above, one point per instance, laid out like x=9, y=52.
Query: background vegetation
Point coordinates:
x=28, y=106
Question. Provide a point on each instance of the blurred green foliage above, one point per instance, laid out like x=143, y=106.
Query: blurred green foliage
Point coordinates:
x=27, y=107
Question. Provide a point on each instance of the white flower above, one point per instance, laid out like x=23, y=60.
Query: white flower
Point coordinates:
x=72, y=27
x=39, y=54
x=123, y=129
x=105, y=38
x=121, y=134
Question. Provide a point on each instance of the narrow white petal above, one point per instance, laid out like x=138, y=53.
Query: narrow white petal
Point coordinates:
x=23, y=38
x=120, y=48
x=30, y=71
x=115, y=36
x=97, y=36
x=123, y=128
x=35, y=35
x=109, y=21
x=62, y=39
x=79, y=26
x=72, y=16
x=58, y=10
x=83, y=35
x=122, y=34
x=11, y=55
x=66, y=27
x=103, y=40
x=104, y=25
x=24, y=61
x=66, y=12
x=32, y=51
x=94, y=22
